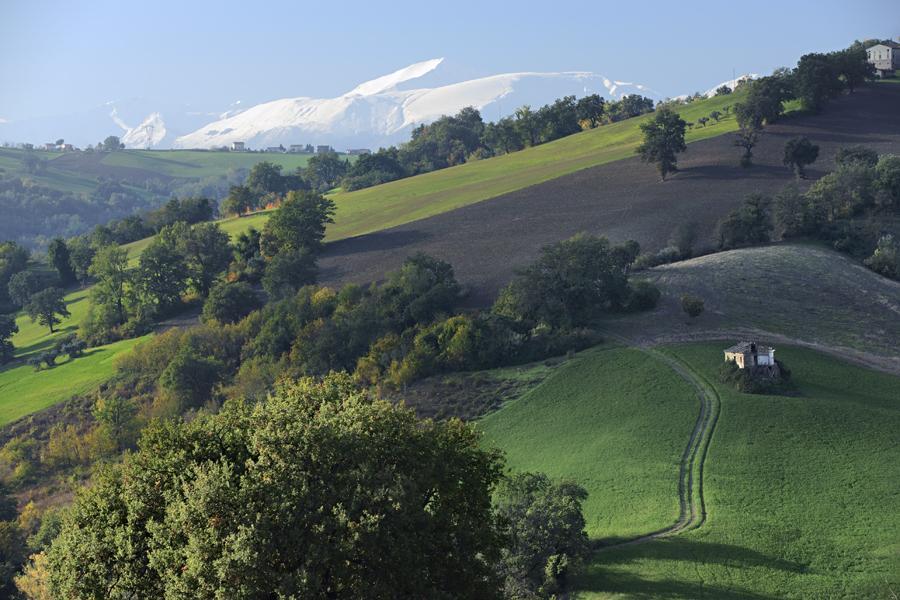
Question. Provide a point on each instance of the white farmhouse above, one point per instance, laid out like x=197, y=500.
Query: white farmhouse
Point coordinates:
x=750, y=354
x=885, y=58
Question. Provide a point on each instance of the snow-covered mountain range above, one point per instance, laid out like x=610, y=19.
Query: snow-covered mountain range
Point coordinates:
x=381, y=111
x=375, y=113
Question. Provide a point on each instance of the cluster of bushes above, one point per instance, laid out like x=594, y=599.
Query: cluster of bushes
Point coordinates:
x=70, y=345
x=757, y=380
x=454, y=140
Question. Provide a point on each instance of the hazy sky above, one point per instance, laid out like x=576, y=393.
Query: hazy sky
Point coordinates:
x=58, y=57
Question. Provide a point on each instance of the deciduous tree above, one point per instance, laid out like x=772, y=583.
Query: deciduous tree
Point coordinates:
x=663, y=140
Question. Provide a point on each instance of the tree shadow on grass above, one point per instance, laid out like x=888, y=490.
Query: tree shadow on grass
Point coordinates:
x=601, y=574
x=698, y=551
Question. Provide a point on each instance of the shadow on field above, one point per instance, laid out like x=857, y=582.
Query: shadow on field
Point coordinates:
x=698, y=551
x=635, y=587
x=379, y=240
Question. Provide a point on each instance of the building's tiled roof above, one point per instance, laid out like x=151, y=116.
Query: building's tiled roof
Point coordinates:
x=743, y=347
x=889, y=44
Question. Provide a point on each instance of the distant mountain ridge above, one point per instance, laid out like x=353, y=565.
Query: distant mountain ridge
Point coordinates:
x=375, y=113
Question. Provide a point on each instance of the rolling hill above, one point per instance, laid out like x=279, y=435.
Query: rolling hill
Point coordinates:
x=798, y=490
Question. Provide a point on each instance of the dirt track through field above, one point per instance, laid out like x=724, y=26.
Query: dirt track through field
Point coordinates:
x=692, y=505
x=486, y=242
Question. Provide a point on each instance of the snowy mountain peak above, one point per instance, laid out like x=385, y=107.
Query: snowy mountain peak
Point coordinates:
x=377, y=113
x=392, y=80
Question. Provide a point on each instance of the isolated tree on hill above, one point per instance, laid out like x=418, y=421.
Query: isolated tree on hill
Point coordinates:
x=663, y=140
x=110, y=269
x=112, y=143
x=47, y=307
x=544, y=526
x=8, y=328
x=715, y=115
x=238, y=505
x=692, y=305
x=799, y=152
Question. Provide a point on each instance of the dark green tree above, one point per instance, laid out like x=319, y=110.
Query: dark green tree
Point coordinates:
x=13, y=259
x=207, y=252
x=663, y=140
x=288, y=271
x=799, y=152
x=856, y=154
x=692, y=305
x=81, y=255
x=23, y=284
x=298, y=225
x=749, y=224
x=229, y=302
x=325, y=171
x=545, y=537
x=112, y=143
x=241, y=200
x=110, y=292
x=318, y=492
x=591, y=109
x=58, y=253
x=162, y=273
x=8, y=328
x=47, y=307
x=816, y=81
x=265, y=178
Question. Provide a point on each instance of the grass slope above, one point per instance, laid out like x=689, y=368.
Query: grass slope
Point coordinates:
x=195, y=164
x=614, y=420
x=24, y=390
x=801, y=491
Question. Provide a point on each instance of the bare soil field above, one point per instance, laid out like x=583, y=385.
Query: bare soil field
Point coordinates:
x=486, y=242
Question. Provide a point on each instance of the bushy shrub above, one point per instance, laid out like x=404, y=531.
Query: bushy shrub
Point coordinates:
x=229, y=302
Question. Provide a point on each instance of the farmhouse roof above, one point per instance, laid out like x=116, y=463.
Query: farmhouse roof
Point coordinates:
x=743, y=347
x=888, y=43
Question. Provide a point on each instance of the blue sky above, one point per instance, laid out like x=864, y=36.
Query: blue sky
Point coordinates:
x=59, y=57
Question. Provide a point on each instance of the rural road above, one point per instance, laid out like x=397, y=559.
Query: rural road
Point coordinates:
x=692, y=506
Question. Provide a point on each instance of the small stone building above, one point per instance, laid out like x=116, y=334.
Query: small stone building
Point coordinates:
x=885, y=58
x=747, y=355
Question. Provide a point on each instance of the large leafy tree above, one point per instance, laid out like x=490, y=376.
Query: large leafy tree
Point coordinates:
x=13, y=258
x=545, y=536
x=207, y=252
x=816, y=80
x=749, y=224
x=663, y=140
x=319, y=492
x=58, y=253
x=162, y=273
x=799, y=152
x=110, y=268
x=572, y=283
x=47, y=307
x=298, y=225
x=8, y=328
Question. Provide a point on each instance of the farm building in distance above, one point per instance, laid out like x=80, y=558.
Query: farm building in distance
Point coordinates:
x=358, y=151
x=324, y=149
x=885, y=58
x=237, y=146
x=750, y=354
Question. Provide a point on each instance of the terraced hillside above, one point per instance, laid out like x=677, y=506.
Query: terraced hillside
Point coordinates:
x=798, y=490
x=487, y=241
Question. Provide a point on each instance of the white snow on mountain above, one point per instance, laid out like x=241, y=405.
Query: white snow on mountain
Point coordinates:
x=731, y=83
x=378, y=112
x=151, y=132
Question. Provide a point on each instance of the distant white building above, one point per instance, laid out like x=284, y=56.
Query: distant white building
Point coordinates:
x=275, y=149
x=297, y=149
x=358, y=151
x=885, y=58
x=324, y=149
x=750, y=354
x=237, y=146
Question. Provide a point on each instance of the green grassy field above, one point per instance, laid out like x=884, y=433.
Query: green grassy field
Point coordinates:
x=33, y=337
x=801, y=491
x=196, y=164
x=614, y=420
x=24, y=390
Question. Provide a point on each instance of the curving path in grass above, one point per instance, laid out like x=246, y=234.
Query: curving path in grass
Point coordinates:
x=692, y=506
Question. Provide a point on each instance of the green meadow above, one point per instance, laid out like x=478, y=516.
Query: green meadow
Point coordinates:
x=801, y=491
